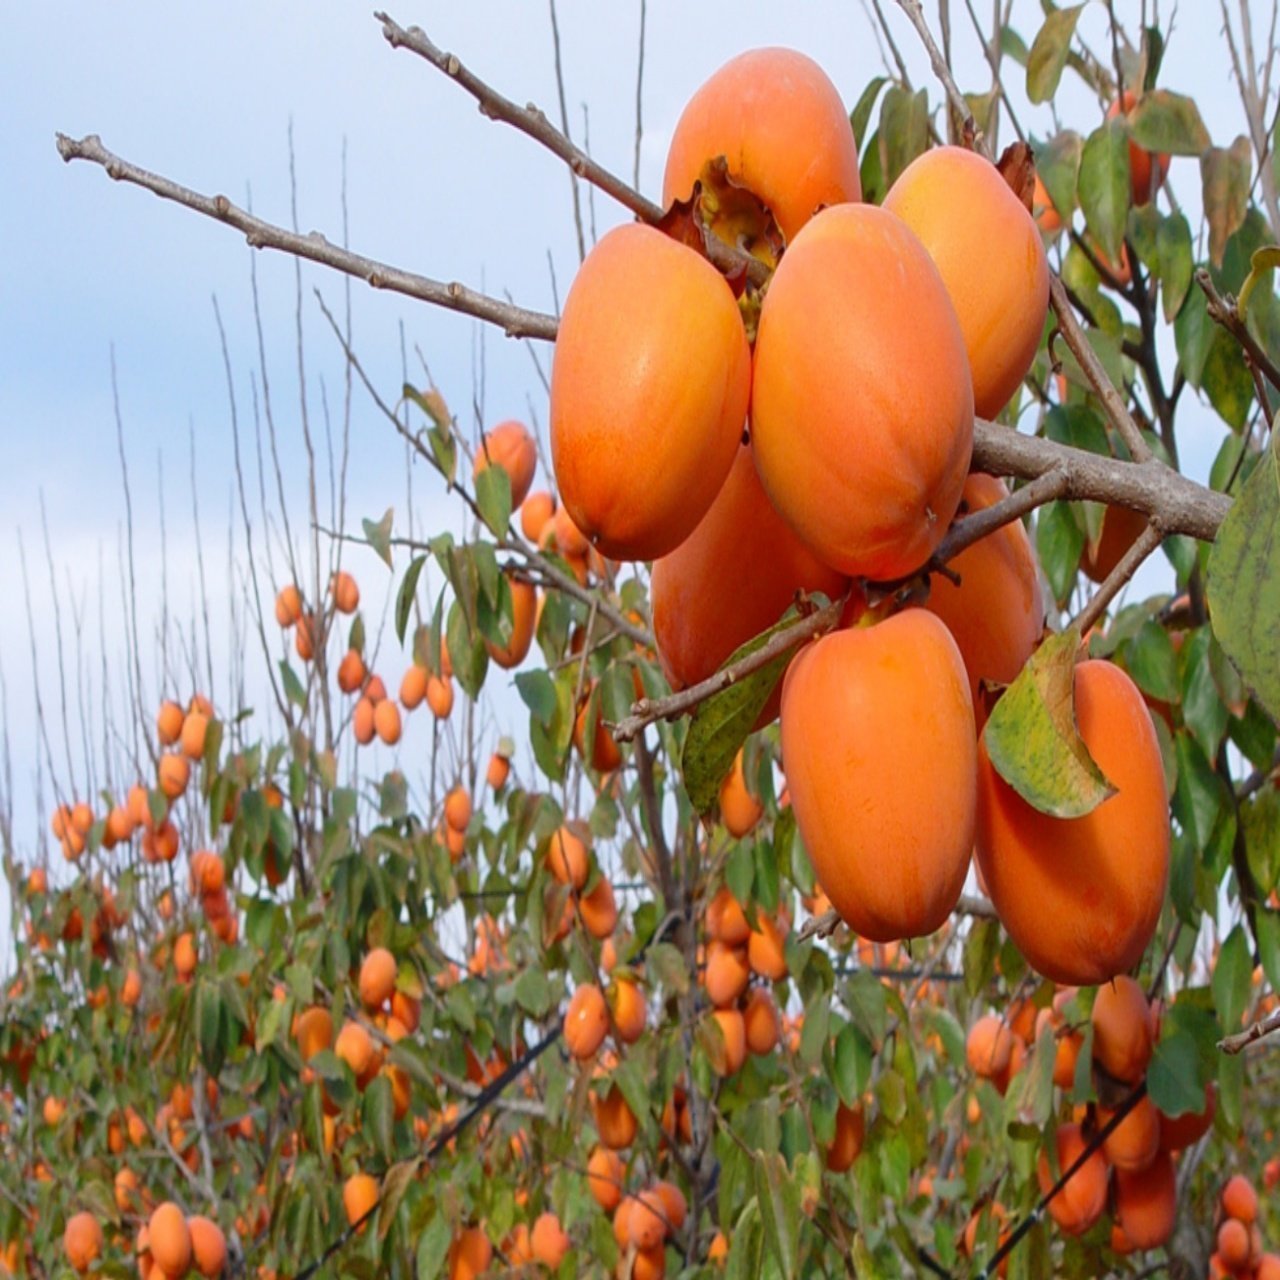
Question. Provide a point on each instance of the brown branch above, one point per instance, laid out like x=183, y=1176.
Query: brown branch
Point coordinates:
x=969, y=128
x=824, y=925
x=1147, y=541
x=1242, y=1040
x=1225, y=312
x=533, y=122
x=516, y=322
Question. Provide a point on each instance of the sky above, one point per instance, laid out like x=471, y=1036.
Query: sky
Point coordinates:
x=211, y=97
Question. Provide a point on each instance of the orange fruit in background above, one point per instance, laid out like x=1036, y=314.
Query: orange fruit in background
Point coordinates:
x=498, y=770
x=1135, y=1142
x=615, y=1121
x=1240, y=1200
x=732, y=578
x=991, y=258
x=346, y=594
x=457, y=808
x=851, y=1132
x=195, y=727
x=351, y=671
x=1121, y=1030
x=726, y=920
x=510, y=447
x=413, y=687
x=82, y=1240
x=628, y=1009
x=362, y=721
x=1081, y=1201
x=605, y=755
x=761, y=1021
x=470, y=1254
x=377, y=978
x=649, y=390
x=524, y=612
x=168, y=725
x=288, y=605
x=1121, y=528
x=313, y=1031
x=1081, y=896
x=440, y=696
x=766, y=947
x=730, y=1050
x=359, y=1195
x=173, y=774
x=599, y=909
x=170, y=1240
x=1043, y=210
x=1140, y=160
x=567, y=858
x=548, y=1241
x=586, y=1021
x=988, y=1046
x=996, y=613
x=354, y=1046
x=605, y=1173
x=1146, y=1202
x=877, y=722
x=386, y=721
x=862, y=403
x=1233, y=1245
x=536, y=512
x=739, y=809
x=727, y=973
x=779, y=123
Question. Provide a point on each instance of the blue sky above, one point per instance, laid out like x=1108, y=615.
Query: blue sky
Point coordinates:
x=206, y=95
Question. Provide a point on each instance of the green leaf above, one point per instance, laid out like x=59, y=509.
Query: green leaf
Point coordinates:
x=395, y=1184
x=853, y=1056
x=1224, y=175
x=1260, y=821
x=904, y=130
x=379, y=1115
x=1032, y=739
x=861, y=113
x=405, y=596
x=293, y=687
x=1201, y=799
x=379, y=535
x=1174, y=1079
x=1173, y=242
x=1226, y=380
x=1202, y=705
x=433, y=1247
x=466, y=651
x=779, y=1199
x=493, y=497
x=1104, y=184
x=981, y=948
x=1232, y=977
x=1168, y=122
x=1048, y=53
x=538, y=693
x=722, y=722
x=813, y=1035
x=533, y=992
x=1152, y=56
x=1194, y=332
x=1153, y=662
x=1058, y=164
x=666, y=964
x=1244, y=583
x=1269, y=944
x=1263, y=261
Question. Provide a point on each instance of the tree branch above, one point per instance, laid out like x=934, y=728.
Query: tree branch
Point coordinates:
x=1241, y=1041
x=516, y=322
x=1225, y=312
x=1147, y=541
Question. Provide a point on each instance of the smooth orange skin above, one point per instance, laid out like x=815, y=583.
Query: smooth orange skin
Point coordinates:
x=1121, y=1031
x=377, y=978
x=470, y=1255
x=362, y=721
x=288, y=605
x=996, y=614
x=354, y=1046
x=497, y=772
x=649, y=391
x=1120, y=530
x=195, y=726
x=586, y=1021
x=879, y=749
x=457, y=808
x=616, y=1123
x=168, y=725
x=988, y=1046
x=1240, y=1200
x=628, y=1009
x=1081, y=896
x=760, y=1017
x=524, y=613
x=739, y=809
x=726, y=920
x=766, y=948
x=548, y=1241
x=1135, y=1141
x=351, y=671
x=1146, y=1203
x=359, y=1195
x=510, y=446
x=313, y=1031
x=346, y=593
x=82, y=1240
x=208, y=1246
x=599, y=909
x=170, y=1240
x=1233, y=1244
x=440, y=696
x=732, y=578
x=1140, y=159
x=727, y=974
x=1081, y=1202
x=386, y=721
x=536, y=512
x=862, y=403
x=1043, y=210
x=173, y=774
x=782, y=129
x=991, y=257
x=605, y=755
x=851, y=1131
x=567, y=858
x=605, y=1173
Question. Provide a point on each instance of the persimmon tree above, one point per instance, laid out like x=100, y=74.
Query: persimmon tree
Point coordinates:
x=856, y=439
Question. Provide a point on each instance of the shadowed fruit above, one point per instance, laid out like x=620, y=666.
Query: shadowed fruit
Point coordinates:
x=878, y=746
x=535, y=514
x=991, y=258
x=730, y=579
x=586, y=1021
x=509, y=446
x=615, y=1121
x=1146, y=1202
x=1182, y=1131
x=996, y=613
x=1140, y=159
x=599, y=909
x=524, y=610
x=1135, y=1142
x=783, y=131
x=649, y=391
x=1121, y=1032
x=851, y=1131
x=760, y=1018
x=1081, y=1201
x=82, y=1240
x=1233, y=1244
x=628, y=1009
x=470, y=1254
x=1120, y=530
x=729, y=1050
x=862, y=405
x=726, y=920
x=1081, y=896
x=1046, y=215
x=605, y=1173
x=170, y=1240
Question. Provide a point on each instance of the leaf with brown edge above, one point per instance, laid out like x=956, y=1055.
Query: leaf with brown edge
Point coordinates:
x=1224, y=174
x=1032, y=739
x=1017, y=167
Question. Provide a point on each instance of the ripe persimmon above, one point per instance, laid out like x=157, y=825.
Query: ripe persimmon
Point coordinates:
x=168, y=725
x=1121, y=1030
x=498, y=769
x=586, y=1021
x=729, y=1050
x=195, y=728
x=615, y=1121
x=510, y=447
x=760, y=1019
x=377, y=978
x=413, y=687
x=386, y=721
x=991, y=258
x=1177, y=1132
x=766, y=947
x=548, y=1241
x=599, y=909
x=1240, y=1200
x=862, y=402
x=173, y=774
x=288, y=605
x=988, y=1046
x=739, y=809
x=170, y=1240
x=82, y=1240
x=535, y=514
x=346, y=594
x=783, y=132
x=726, y=920
x=1043, y=210
x=875, y=721
x=351, y=671
x=440, y=696
x=1142, y=164
x=567, y=858
x=605, y=1173
x=851, y=1130
x=1120, y=529
x=524, y=609
x=1081, y=1201
x=457, y=808
x=727, y=973
x=1146, y=1202
x=649, y=391
x=1081, y=896
x=628, y=1009
x=995, y=613
x=208, y=1246
x=362, y=718
x=359, y=1195
x=605, y=755
x=1135, y=1142
x=730, y=579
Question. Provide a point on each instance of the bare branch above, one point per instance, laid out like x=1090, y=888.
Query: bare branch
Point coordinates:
x=1225, y=312
x=968, y=127
x=1147, y=541
x=1242, y=1040
x=516, y=322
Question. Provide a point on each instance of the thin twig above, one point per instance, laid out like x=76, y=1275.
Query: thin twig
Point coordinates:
x=1146, y=542
x=1225, y=312
x=1242, y=1040
x=915, y=15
